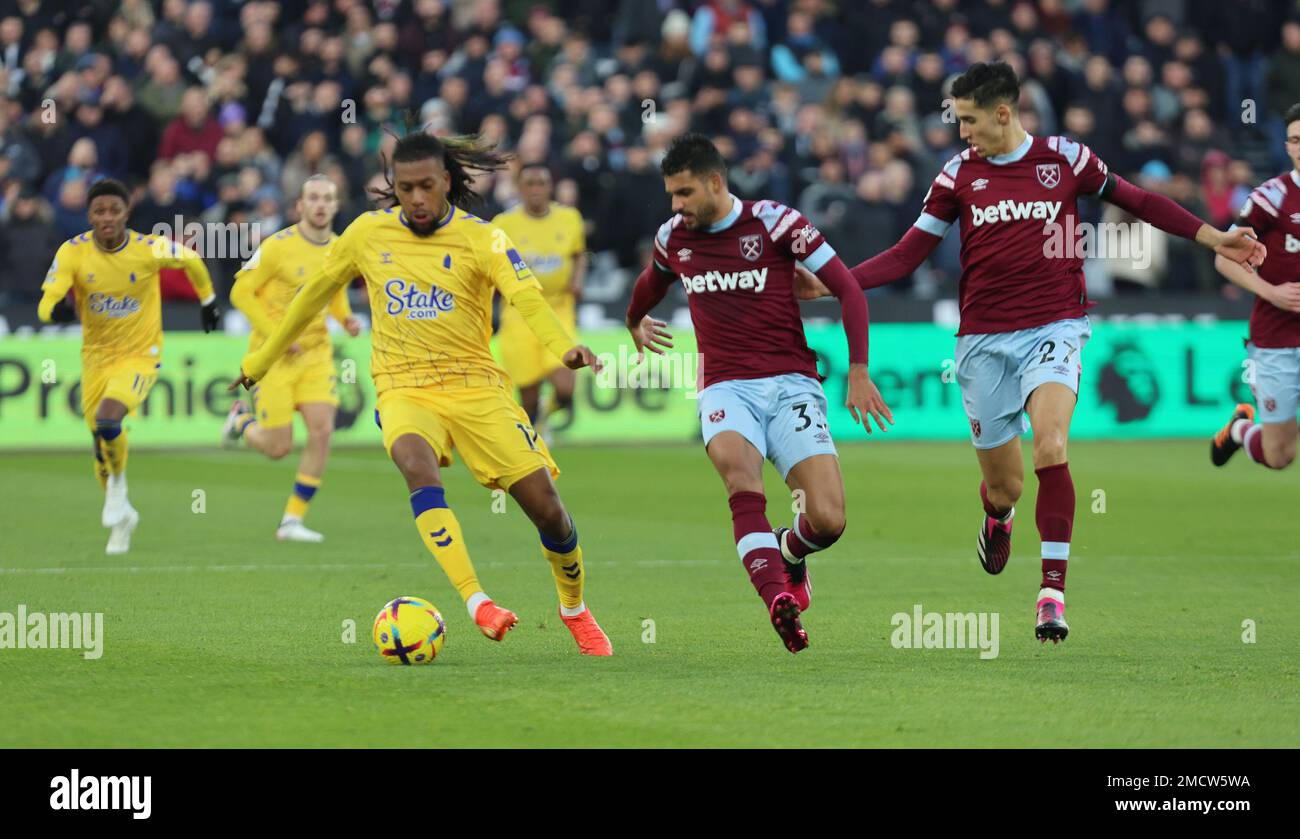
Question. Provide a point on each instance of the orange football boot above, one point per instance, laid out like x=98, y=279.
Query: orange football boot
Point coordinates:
x=493, y=620
x=591, y=639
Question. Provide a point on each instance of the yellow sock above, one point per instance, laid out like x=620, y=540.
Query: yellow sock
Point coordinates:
x=304, y=487
x=100, y=464
x=566, y=566
x=441, y=534
x=112, y=444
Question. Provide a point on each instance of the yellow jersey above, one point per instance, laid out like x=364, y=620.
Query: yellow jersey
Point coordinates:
x=117, y=292
x=430, y=300
x=266, y=285
x=549, y=244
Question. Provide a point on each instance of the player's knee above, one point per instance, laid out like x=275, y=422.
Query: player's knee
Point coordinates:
x=827, y=520
x=1049, y=449
x=279, y=449
x=319, y=436
x=552, y=520
x=1281, y=457
x=417, y=470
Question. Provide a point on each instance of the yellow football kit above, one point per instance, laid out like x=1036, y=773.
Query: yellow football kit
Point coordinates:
x=431, y=307
x=119, y=303
x=549, y=244
x=264, y=288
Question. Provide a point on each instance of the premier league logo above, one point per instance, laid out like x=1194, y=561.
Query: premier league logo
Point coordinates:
x=751, y=246
x=1049, y=174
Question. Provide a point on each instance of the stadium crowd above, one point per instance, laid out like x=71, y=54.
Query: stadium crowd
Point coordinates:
x=217, y=110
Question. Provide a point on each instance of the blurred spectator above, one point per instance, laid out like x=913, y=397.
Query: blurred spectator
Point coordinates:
x=28, y=240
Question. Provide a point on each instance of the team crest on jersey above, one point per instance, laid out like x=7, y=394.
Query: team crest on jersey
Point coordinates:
x=406, y=300
x=751, y=246
x=718, y=415
x=1049, y=174
x=975, y=428
x=1270, y=405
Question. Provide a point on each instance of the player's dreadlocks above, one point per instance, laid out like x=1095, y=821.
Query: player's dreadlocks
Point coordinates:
x=461, y=155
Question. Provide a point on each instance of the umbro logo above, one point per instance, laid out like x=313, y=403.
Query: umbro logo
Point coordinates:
x=1053, y=575
x=684, y=254
x=979, y=183
x=757, y=565
x=1295, y=218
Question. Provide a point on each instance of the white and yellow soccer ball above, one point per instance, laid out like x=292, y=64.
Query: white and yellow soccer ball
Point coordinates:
x=409, y=630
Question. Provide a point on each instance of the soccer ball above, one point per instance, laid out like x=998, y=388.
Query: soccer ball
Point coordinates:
x=409, y=630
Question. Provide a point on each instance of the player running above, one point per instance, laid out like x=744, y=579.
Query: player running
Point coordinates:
x=761, y=395
x=1273, y=210
x=551, y=240
x=1023, y=322
x=113, y=272
x=304, y=379
x=431, y=269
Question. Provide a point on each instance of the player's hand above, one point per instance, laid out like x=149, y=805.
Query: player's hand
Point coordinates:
x=807, y=286
x=1242, y=247
x=582, y=356
x=1285, y=296
x=652, y=335
x=294, y=349
x=242, y=380
x=211, y=316
x=864, y=400
x=63, y=312
x=352, y=326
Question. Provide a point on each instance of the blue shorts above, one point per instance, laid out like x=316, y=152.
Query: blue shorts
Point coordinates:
x=998, y=371
x=1277, y=382
x=784, y=417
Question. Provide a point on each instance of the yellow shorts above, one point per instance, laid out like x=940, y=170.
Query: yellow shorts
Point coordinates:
x=286, y=386
x=484, y=424
x=526, y=359
x=126, y=380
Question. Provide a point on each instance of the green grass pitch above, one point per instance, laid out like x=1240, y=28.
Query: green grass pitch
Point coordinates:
x=217, y=635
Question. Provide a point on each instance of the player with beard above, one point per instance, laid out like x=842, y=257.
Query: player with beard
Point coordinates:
x=761, y=395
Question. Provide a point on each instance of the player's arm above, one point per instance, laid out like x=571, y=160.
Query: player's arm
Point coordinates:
x=169, y=254
x=314, y=296
x=1238, y=244
x=54, y=306
x=650, y=287
x=249, y=280
x=905, y=256
x=514, y=279
x=580, y=261
x=341, y=310
x=864, y=397
x=1257, y=215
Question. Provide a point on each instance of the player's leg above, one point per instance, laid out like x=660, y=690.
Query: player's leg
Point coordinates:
x=318, y=417
x=986, y=373
x=502, y=450
x=441, y=533
x=530, y=397
x=736, y=442
x=126, y=385
x=418, y=444
x=537, y=497
x=563, y=383
x=800, y=447
x=265, y=422
x=1049, y=380
x=1267, y=432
